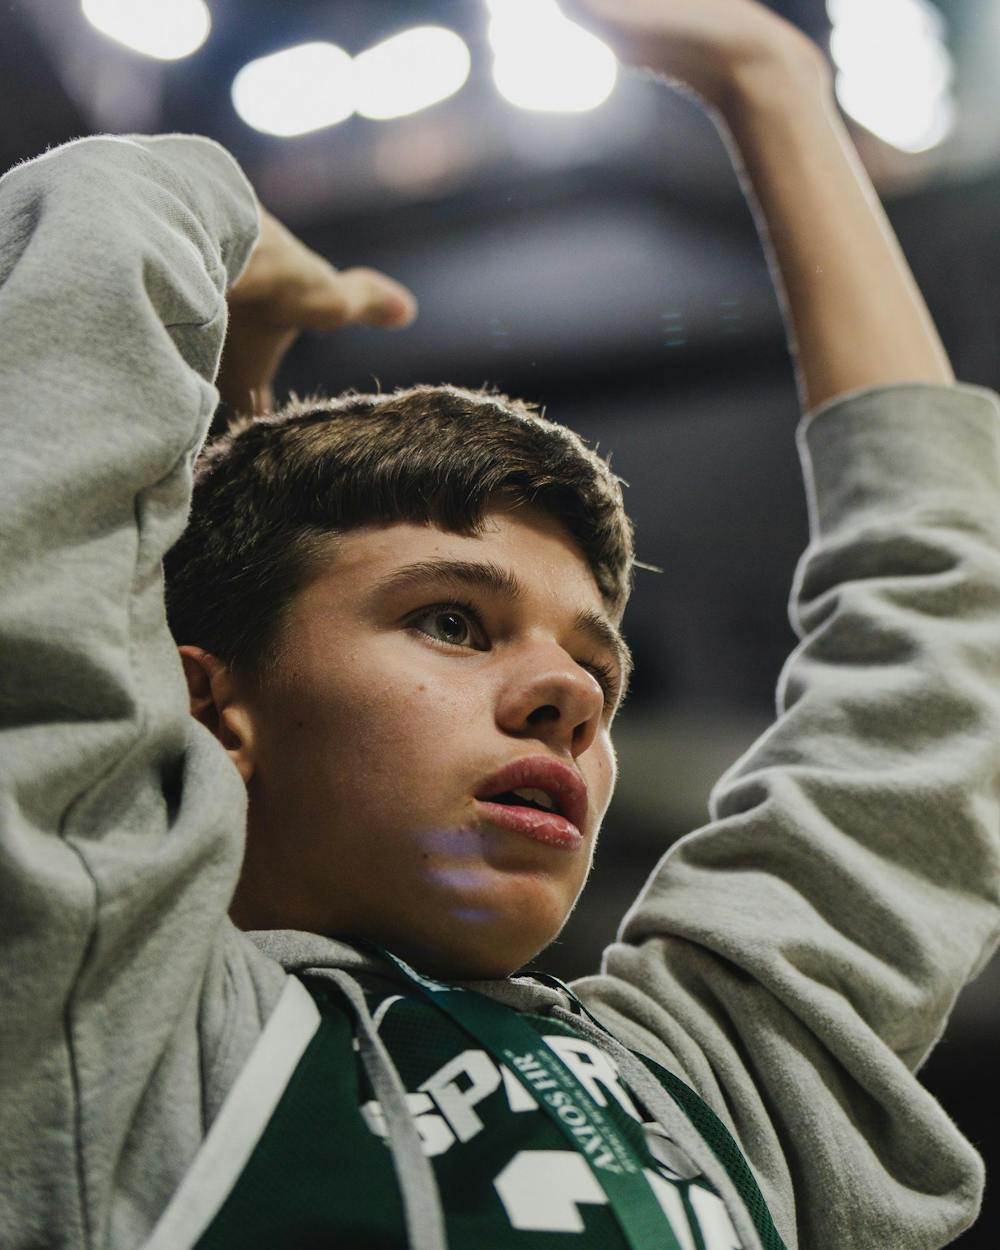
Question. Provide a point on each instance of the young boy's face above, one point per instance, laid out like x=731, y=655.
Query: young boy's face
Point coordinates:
x=370, y=757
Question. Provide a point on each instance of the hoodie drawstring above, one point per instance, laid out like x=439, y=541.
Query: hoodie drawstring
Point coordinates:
x=425, y=1229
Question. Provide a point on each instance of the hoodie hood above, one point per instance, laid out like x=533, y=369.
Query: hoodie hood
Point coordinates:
x=310, y=954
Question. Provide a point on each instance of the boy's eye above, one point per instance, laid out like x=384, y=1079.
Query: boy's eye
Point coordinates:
x=458, y=623
x=447, y=623
x=452, y=626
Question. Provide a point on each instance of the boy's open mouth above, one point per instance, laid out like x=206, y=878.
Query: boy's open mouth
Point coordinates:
x=527, y=797
x=539, y=784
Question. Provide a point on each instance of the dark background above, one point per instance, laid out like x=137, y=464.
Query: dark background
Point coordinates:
x=607, y=266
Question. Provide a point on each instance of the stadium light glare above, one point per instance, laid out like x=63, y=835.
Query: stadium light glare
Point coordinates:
x=300, y=89
x=165, y=29
x=546, y=63
x=904, y=98
x=512, y=20
x=410, y=71
x=913, y=123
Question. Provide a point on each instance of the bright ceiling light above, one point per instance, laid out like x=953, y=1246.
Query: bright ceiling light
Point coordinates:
x=166, y=29
x=888, y=18
x=297, y=90
x=511, y=20
x=545, y=62
x=410, y=72
x=904, y=98
x=905, y=118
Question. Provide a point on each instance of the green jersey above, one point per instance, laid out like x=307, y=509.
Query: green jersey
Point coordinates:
x=322, y=1173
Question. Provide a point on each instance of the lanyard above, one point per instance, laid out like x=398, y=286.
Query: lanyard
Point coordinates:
x=511, y=1040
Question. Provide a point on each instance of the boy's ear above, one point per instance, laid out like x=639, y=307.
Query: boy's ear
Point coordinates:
x=214, y=702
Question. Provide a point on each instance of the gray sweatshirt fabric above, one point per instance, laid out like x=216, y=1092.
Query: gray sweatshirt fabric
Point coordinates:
x=794, y=961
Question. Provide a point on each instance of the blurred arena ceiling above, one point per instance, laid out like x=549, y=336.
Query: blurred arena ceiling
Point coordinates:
x=637, y=200
x=67, y=78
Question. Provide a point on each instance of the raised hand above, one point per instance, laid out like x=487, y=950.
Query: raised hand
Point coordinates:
x=699, y=44
x=287, y=288
x=854, y=314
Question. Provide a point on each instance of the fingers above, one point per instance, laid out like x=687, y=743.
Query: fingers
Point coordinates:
x=363, y=296
x=287, y=286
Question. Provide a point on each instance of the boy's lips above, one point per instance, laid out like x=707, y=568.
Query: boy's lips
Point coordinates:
x=563, y=827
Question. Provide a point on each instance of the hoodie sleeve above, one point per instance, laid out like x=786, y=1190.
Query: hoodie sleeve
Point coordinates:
x=797, y=958
x=121, y=821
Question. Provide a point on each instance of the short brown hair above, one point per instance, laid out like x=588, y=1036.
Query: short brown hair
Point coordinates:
x=271, y=493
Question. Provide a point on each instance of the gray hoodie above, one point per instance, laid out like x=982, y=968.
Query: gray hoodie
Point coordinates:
x=794, y=960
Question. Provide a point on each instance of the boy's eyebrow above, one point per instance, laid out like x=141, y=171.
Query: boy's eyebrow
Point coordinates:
x=487, y=576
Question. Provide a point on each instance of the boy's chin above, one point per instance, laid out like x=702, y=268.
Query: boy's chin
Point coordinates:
x=447, y=961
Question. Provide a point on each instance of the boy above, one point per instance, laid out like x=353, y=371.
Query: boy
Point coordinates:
x=417, y=707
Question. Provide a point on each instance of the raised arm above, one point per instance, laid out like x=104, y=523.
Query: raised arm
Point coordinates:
x=119, y=844
x=121, y=820
x=854, y=314
x=797, y=958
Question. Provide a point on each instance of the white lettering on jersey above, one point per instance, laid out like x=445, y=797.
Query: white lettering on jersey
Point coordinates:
x=518, y=1098
x=435, y=1135
x=532, y=1070
x=716, y=1226
x=672, y=1206
x=541, y=1190
x=589, y=1137
x=456, y=1103
x=593, y=1069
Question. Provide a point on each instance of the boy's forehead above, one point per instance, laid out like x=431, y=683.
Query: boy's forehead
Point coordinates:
x=520, y=555
x=527, y=547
